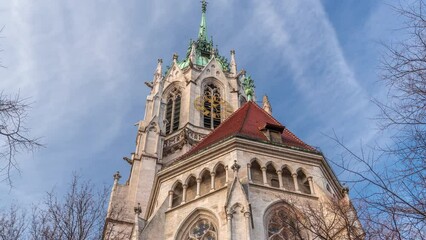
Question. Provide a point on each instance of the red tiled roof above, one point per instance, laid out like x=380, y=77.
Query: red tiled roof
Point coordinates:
x=247, y=122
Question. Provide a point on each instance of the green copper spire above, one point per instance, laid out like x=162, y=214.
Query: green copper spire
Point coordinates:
x=202, y=34
x=248, y=85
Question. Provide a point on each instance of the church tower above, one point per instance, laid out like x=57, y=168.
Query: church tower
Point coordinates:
x=209, y=162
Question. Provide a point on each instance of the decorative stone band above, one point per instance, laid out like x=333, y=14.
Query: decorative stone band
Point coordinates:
x=176, y=142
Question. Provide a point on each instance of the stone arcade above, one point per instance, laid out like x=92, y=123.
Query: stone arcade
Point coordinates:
x=209, y=162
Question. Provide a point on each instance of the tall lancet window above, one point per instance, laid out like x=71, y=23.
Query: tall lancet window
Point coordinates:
x=173, y=111
x=212, y=106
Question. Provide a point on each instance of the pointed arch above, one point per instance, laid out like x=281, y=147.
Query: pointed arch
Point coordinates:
x=205, y=184
x=302, y=181
x=177, y=193
x=212, y=103
x=287, y=177
x=172, y=96
x=191, y=189
x=256, y=172
x=271, y=175
x=282, y=221
x=220, y=175
x=199, y=224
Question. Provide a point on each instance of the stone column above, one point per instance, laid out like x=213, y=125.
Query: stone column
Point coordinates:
x=296, y=184
x=247, y=220
x=117, y=177
x=198, y=187
x=184, y=193
x=229, y=225
x=226, y=176
x=265, y=180
x=138, y=211
x=280, y=178
x=249, y=172
x=170, y=199
x=311, y=185
x=212, y=187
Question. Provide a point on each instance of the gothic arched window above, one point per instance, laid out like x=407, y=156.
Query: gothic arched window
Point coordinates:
x=203, y=229
x=199, y=225
x=173, y=111
x=212, y=105
x=283, y=222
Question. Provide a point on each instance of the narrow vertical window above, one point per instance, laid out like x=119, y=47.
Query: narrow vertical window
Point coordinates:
x=176, y=114
x=173, y=111
x=169, y=113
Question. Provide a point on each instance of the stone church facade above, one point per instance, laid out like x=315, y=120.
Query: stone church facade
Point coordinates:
x=209, y=162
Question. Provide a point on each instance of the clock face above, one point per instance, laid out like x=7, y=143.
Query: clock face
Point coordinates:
x=213, y=106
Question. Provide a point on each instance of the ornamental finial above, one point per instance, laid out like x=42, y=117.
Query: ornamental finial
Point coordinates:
x=117, y=176
x=138, y=209
x=248, y=85
x=267, y=105
x=235, y=167
x=203, y=6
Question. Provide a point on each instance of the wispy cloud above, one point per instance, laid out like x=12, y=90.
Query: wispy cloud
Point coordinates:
x=83, y=63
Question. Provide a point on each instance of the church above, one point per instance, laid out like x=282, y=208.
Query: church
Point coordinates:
x=210, y=163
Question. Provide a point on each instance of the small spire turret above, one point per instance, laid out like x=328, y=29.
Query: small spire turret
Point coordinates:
x=159, y=71
x=233, y=64
x=267, y=105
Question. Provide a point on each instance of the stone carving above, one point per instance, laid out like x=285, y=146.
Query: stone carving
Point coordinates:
x=176, y=142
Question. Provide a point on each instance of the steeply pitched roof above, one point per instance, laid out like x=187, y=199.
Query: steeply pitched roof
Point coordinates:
x=248, y=122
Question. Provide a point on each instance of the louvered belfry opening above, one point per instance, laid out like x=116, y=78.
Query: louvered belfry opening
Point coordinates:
x=173, y=111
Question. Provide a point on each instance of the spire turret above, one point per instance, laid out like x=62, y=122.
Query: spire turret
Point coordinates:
x=233, y=64
x=202, y=34
x=267, y=105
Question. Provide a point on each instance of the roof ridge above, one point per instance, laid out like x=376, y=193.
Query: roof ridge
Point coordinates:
x=213, y=131
x=269, y=115
x=245, y=117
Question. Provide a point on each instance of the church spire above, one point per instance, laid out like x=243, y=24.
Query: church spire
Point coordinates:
x=202, y=34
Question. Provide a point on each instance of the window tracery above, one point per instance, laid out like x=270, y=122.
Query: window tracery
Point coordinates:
x=203, y=229
x=282, y=224
x=212, y=105
x=173, y=111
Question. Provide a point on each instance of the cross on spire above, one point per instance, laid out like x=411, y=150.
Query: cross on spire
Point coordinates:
x=204, y=6
x=202, y=34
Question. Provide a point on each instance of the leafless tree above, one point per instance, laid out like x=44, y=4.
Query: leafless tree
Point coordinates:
x=14, y=136
x=12, y=223
x=114, y=228
x=79, y=215
x=329, y=220
x=394, y=176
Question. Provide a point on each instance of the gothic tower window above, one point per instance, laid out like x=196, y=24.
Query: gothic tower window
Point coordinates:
x=173, y=111
x=212, y=106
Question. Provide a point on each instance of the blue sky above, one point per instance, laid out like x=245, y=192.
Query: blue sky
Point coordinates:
x=83, y=64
